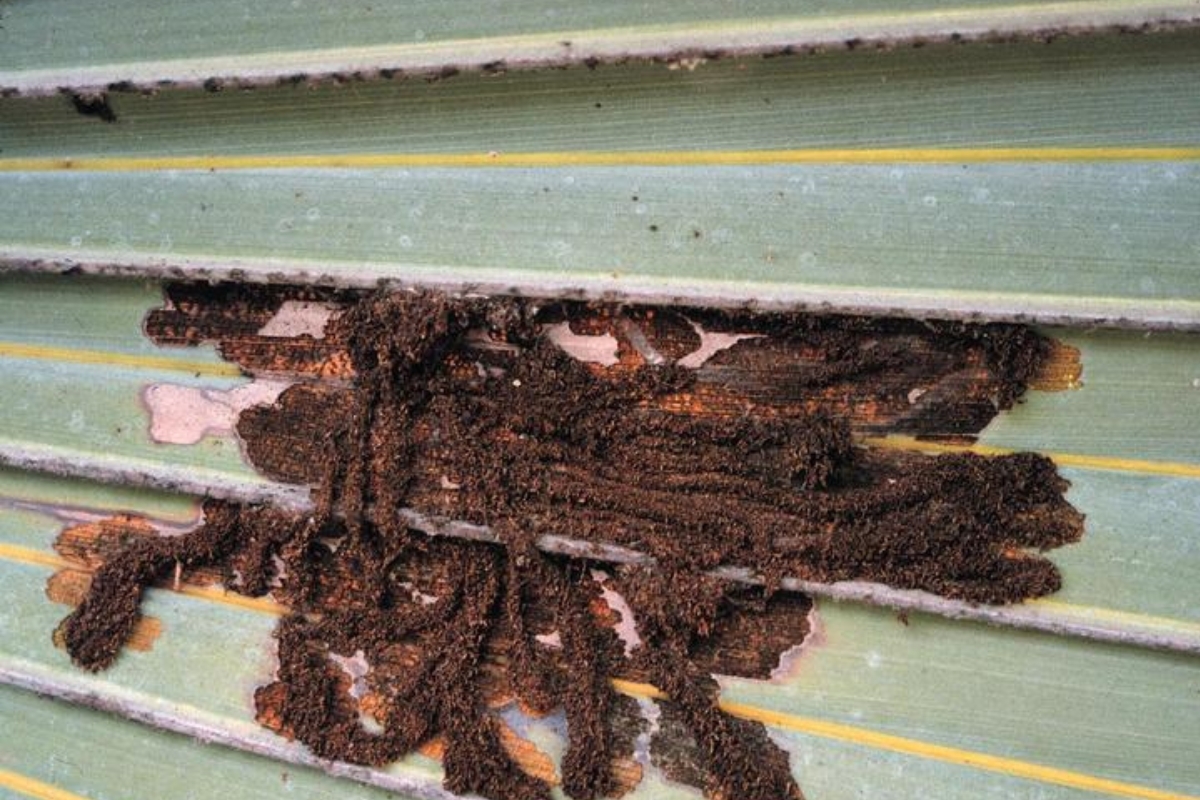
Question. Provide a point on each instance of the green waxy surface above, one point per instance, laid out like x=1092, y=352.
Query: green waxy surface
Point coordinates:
x=102, y=757
x=1141, y=546
x=122, y=31
x=773, y=232
x=37, y=492
x=94, y=314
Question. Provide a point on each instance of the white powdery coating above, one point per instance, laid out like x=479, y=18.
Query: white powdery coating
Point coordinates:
x=356, y=669
x=600, y=349
x=641, y=745
x=711, y=343
x=299, y=318
x=626, y=628
x=186, y=414
x=552, y=639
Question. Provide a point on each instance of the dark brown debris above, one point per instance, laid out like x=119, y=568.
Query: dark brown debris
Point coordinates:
x=462, y=408
x=97, y=630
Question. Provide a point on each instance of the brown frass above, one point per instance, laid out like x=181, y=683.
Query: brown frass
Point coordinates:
x=463, y=408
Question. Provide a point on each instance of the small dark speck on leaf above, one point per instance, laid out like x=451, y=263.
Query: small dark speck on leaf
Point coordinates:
x=94, y=105
x=654, y=228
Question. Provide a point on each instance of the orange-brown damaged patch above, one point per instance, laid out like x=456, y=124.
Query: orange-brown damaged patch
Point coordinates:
x=627, y=774
x=68, y=586
x=435, y=748
x=269, y=700
x=529, y=758
x=1061, y=370
x=91, y=543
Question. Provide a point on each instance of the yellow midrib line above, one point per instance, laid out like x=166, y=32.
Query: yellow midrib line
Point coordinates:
x=1106, y=463
x=28, y=555
x=617, y=158
x=32, y=787
x=40, y=558
x=1127, y=618
x=217, y=594
x=777, y=719
x=72, y=355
